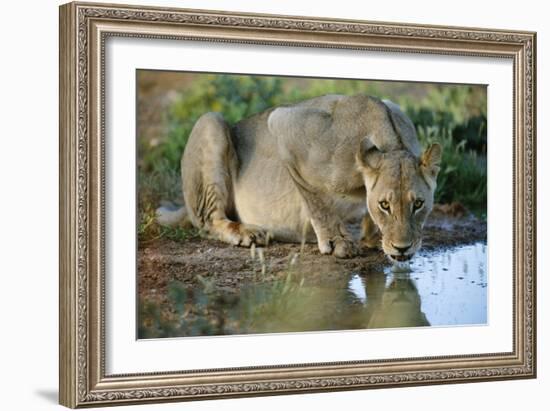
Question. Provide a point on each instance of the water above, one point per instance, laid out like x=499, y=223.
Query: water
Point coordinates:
x=444, y=288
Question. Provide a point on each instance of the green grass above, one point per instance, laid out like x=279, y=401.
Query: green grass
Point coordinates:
x=453, y=115
x=149, y=230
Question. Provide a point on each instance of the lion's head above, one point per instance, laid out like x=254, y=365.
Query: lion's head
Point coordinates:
x=400, y=194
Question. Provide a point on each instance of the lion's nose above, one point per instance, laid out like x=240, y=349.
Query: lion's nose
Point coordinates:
x=402, y=249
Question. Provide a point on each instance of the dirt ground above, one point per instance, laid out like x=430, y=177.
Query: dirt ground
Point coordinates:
x=205, y=262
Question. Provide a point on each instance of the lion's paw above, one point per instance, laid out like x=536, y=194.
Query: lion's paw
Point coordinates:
x=245, y=235
x=340, y=247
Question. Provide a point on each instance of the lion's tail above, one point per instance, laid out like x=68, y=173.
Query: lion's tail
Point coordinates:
x=170, y=215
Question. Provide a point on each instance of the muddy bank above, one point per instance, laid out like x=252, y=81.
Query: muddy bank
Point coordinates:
x=204, y=263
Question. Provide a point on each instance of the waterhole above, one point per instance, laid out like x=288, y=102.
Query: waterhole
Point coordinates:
x=442, y=288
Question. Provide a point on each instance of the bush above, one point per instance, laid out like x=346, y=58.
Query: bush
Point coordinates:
x=236, y=97
x=455, y=116
x=463, y=175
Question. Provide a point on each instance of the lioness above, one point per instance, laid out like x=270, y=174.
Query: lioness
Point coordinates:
x=311, y=165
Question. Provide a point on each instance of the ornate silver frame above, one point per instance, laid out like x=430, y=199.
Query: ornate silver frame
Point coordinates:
x=83, y=30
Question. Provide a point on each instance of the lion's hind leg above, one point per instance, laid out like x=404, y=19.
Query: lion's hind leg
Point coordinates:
x=209, y=165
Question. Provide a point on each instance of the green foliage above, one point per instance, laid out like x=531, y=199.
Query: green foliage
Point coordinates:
x=463, y=175
x=236, y=97
x=450, y=117
x=454, y=115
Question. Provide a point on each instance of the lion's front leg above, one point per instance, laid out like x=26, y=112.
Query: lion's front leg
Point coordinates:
x=333, y=238
x=306, y=146
x=332, y=235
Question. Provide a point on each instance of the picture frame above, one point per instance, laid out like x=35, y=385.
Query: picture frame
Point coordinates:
x=84, y=30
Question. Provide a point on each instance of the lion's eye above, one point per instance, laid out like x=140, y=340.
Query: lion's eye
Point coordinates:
x=417, y=205
x=384, y=205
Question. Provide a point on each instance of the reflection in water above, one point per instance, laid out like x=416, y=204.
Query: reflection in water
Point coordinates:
x=357, y=286
x=444, y=288
x=398, y=304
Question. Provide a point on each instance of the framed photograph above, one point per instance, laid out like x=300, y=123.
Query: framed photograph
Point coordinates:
x=260, y=204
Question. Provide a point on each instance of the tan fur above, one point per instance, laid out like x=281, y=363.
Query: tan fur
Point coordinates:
x=307, y=168
x=398, y=178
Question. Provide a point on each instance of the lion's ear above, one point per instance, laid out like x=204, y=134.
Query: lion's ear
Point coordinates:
x=368, y=157
x=430, y=162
